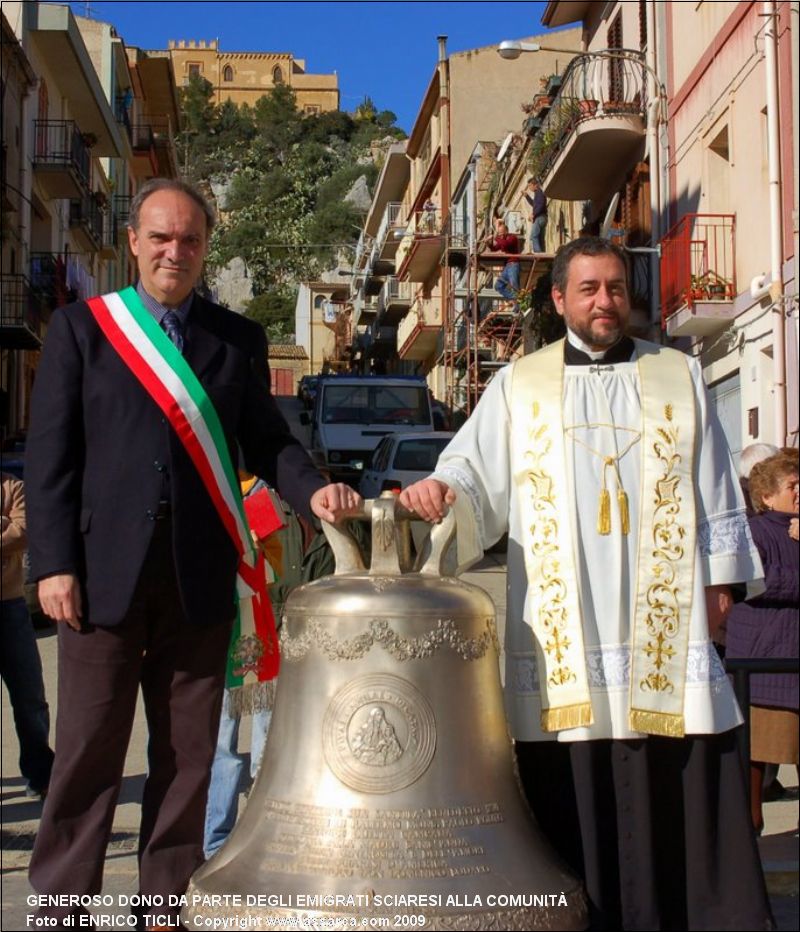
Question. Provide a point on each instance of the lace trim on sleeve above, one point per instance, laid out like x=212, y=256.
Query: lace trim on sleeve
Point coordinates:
x=725, y=533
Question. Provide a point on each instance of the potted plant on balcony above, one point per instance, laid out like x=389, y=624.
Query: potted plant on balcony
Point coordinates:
x=532, y=125
x=587, y=107
x=553, y=84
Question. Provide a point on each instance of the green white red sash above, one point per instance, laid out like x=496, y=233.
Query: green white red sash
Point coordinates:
x=169, y=380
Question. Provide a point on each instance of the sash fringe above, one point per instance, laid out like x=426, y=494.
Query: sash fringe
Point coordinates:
x=568, y=716
x=254, y=697
x=657, y=723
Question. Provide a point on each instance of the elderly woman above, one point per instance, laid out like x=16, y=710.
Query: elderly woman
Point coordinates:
x=767, y=625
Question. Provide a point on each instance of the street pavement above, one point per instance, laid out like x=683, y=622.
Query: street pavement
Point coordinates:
x=20, y=815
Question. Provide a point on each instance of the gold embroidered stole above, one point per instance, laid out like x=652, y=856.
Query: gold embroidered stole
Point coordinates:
x=667, y=534
x=662, y=605
x=539, y=466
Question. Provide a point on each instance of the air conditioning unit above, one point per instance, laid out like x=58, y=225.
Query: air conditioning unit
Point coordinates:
x=513, y=219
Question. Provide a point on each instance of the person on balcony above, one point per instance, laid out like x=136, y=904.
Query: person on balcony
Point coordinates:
x=507, y=283
x=535, y=196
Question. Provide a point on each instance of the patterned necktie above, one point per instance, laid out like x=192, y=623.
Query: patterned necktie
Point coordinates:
x=172, y=325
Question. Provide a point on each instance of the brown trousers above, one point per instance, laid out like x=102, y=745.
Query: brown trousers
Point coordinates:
x=181, y=670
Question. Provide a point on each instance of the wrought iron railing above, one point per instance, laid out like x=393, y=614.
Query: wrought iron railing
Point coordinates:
x=123, y=116
x=391, y=221
x=60, y=143
x=595, y=84
x=18, y=304
x=86, y=212
x=121, y=207
x=142, y=136
x=698, y=262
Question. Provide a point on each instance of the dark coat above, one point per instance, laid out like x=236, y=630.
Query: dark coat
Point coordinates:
x=100, y=456
x=767, y=626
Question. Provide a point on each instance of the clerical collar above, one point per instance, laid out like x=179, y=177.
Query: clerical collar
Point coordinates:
x=158, y=310
x=577, y=353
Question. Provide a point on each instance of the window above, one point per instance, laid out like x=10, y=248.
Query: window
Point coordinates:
x=312, y=109
x=277, y=75
x=227, y=73
x=419, y=455
x=194, y=68
x=719, y=173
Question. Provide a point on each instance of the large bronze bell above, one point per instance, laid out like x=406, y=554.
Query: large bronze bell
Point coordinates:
x=387, y=797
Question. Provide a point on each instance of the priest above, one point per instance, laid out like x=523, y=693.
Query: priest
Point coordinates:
x=600, y=457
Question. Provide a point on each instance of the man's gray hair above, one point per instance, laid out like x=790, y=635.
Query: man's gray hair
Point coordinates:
x=168, y=184
x=753, y=454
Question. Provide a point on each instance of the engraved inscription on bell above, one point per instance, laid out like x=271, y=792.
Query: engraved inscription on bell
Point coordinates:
x=379, y=734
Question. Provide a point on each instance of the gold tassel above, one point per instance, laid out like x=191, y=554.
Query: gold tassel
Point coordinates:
x=624, y=513
x=604, y=513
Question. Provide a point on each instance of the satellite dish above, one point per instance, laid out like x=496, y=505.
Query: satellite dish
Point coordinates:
x=609, y=218
x=505, y=147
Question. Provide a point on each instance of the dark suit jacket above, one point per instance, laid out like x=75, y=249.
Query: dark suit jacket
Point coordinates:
x=99, y=449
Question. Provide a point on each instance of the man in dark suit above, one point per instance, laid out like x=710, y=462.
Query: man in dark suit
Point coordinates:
x=134, y=559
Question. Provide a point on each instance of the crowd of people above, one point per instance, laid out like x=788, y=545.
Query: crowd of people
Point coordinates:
x=146, y=404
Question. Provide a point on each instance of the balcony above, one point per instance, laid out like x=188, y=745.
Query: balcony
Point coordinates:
x=418, y=332
x=145, y=161
x=121, y=207
x=164, y=142
x=86, y=222
x=122, y=115
x=595, y=128
x=394, y=300
x=61, y=158
x=364, y=312
x=109, y=244
x=698, y=275
x=57, y=38
x=421, y=247
x=20, y=316
x=391, y=223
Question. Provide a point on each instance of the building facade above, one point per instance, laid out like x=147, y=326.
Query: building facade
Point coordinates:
x=75, y=153
x=243, y=77
x=403, y=283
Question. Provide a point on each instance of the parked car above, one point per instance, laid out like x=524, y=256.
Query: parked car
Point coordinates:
x=400, y=459
x=307, y=390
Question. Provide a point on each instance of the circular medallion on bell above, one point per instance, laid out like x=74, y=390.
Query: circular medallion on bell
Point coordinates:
x=379, y=734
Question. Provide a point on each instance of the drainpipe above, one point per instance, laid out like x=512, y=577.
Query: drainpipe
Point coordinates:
x=653, y=145
x=444, y=142
x=775, y=239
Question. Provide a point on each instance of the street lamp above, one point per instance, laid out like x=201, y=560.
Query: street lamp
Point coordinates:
x=510, y=50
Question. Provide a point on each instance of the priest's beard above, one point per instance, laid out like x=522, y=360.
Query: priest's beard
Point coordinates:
x=596, y=337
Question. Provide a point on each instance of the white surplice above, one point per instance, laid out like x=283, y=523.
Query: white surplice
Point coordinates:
x=477, y=464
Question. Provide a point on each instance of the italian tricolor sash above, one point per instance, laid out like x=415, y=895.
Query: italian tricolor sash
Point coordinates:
x=166, y=376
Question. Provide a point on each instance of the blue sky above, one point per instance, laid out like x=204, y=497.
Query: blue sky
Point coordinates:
x=384, y=49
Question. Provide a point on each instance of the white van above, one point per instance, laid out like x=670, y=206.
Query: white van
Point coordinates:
x=352, y=413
